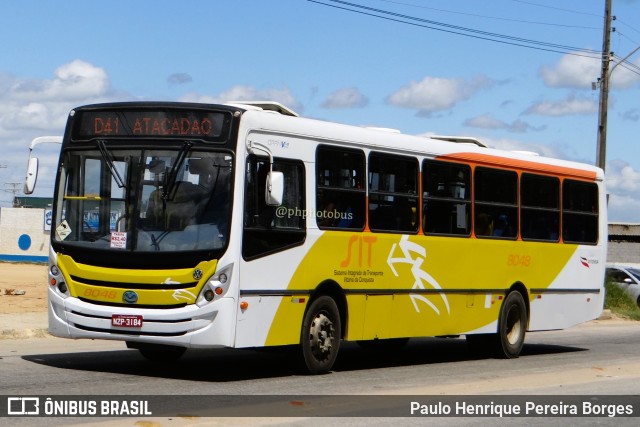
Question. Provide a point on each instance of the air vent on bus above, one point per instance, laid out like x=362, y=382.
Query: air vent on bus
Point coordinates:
x=390, y=130
x=276, y=107
x=459, y=139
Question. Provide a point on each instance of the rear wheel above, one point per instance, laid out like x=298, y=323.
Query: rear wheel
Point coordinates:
x=512, y=325
x=320, y=335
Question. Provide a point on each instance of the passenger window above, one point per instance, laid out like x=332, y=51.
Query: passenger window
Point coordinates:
x=340, y=192
x=393, y=193
x=496, y=203
x=446, y=198
x=579, y=212
x=540, y=207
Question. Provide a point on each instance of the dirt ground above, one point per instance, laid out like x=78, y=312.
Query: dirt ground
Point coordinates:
x=30, y=278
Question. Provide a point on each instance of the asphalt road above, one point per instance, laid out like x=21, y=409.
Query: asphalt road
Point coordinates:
x=599, y=358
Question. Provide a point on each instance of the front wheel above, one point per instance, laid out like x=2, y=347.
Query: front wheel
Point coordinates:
x=320, y=335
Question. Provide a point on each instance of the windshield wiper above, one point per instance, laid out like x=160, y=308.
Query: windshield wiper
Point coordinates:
x=173, y=173
x=108, y=159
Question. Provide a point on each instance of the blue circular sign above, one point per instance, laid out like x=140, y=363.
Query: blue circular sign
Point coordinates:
x=24, y=242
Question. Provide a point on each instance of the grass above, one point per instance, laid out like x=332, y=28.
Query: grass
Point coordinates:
x=620, y=303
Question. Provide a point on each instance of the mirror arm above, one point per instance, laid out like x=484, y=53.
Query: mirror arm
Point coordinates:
x=34, y=173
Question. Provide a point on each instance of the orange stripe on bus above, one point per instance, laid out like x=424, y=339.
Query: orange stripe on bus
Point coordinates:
x=529, y=166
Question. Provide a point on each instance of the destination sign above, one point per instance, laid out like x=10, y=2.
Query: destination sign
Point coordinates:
x=207, y=125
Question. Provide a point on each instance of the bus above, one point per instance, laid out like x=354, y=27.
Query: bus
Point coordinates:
x=184, y=225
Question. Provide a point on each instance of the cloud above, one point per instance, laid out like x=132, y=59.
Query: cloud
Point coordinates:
x=76, y=80
x=571, y=71
x=179, y=79
x=487, y=121
x=579, y=72
x=632, y=115
x=622, y=178
x=436, y=94
x=348, y=97
x=43, y=104
x=623, y=208
x=572, y=105
x=36, y=107
x=247, y=93
x=623, y=187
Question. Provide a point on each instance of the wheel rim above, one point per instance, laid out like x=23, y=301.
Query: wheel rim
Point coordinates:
x=514, y=326
x=321, y=335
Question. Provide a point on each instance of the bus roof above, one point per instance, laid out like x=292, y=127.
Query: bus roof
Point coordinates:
x=456, y=148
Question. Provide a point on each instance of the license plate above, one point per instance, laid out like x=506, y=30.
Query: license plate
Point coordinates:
x=126, y=320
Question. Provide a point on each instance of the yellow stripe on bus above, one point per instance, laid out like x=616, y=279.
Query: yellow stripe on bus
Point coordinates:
x=392, y=282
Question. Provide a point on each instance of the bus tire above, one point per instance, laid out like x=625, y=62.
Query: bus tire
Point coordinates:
x=320, y=335
x=512, y=326
x=160, y=353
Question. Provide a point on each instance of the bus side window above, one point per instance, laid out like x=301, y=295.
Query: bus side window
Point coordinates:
x=496, y=197
x=579, y=212
x=446, y=198
x=540, y=207
x=393, y=193
x=340, y=193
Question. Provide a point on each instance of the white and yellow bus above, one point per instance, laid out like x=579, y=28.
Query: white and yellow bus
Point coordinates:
x=182, y=225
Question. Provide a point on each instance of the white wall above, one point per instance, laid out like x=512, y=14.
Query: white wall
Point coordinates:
x=24, y=226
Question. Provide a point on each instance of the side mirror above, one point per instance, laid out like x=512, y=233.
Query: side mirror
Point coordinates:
x=32, y=175
x=274, y=188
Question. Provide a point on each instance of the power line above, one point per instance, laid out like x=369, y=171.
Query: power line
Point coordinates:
x=453, y=29
x=557, y=8
x=520, y=21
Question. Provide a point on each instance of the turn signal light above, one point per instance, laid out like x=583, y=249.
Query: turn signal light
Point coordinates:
x=244, y=305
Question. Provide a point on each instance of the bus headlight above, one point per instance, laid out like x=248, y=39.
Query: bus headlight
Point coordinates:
x=216, y=286
x=56, y=280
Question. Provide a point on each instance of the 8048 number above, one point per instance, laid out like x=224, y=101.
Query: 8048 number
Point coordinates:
x=100, y=293
x=514, y=260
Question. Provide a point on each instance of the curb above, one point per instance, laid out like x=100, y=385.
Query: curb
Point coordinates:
x=606, y=315
x=29, y=324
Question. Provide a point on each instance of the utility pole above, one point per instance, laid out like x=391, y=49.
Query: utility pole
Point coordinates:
x=601, y=154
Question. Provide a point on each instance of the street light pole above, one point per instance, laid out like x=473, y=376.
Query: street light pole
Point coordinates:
x=601, y=152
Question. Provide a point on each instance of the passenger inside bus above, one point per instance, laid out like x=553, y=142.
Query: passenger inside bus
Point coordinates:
x=484, y=224
x=502, y=228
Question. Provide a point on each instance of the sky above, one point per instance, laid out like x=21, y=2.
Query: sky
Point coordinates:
x=515, y=74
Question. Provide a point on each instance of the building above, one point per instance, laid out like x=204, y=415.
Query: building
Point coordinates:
x=624, y=243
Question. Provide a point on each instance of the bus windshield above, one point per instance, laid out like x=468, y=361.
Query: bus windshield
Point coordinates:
x=144, y=200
